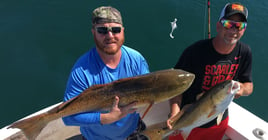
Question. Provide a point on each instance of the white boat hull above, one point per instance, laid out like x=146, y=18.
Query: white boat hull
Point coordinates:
x=242, y=124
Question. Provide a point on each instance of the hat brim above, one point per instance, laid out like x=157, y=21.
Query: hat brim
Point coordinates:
x=236, y=12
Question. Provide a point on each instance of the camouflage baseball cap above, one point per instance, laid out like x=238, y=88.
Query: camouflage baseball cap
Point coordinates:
x=106, y=14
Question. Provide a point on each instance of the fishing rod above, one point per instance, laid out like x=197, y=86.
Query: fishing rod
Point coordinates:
x=209, y=34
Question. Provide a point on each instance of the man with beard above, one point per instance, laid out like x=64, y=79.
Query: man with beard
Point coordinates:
x=215, y=60
x=107, y=61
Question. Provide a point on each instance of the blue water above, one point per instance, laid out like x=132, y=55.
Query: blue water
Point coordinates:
x=40, y=41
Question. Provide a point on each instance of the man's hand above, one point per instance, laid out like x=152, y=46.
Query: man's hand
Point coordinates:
x=117, y=112
x=245, y=89
x=170, y=121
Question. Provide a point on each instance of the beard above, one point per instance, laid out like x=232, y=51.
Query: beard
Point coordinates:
x=109, y=49
x=230, y=42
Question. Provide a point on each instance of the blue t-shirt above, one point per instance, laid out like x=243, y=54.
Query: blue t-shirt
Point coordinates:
x=90, y=70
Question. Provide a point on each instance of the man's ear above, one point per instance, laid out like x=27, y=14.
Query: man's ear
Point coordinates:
x=218, y=26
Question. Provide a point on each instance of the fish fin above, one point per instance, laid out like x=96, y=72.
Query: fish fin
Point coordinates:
x=63, y=105
x=67, y=103
x=124, y=79
x=185, y=133
x=94, y=87
x=147, y=110
x=32, y=126
x=219, y=118
x=211, y=113
x=199, y=95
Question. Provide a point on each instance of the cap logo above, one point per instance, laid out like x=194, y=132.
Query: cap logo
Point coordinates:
x=237, y=7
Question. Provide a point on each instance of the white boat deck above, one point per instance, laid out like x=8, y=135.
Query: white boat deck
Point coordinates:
x=242, y=125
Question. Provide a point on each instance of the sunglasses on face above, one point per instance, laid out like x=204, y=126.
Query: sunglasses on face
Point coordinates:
x=228, y=24
x=105, y=30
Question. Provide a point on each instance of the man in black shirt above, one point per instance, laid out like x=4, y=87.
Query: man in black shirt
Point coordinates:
x=213, y=61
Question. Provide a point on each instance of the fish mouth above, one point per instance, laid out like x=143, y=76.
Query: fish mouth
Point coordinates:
x=235, y=86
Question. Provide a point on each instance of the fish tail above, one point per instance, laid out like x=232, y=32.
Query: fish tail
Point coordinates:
x=31, y=127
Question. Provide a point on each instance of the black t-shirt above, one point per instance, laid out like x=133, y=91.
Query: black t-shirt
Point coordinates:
x=211, y=68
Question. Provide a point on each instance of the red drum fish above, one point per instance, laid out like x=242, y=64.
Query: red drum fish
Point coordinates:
x=144, y=89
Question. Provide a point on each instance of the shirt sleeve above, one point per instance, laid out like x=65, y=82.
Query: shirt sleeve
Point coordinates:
x=76, y=84
x=245, y=74
x=144, y=66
